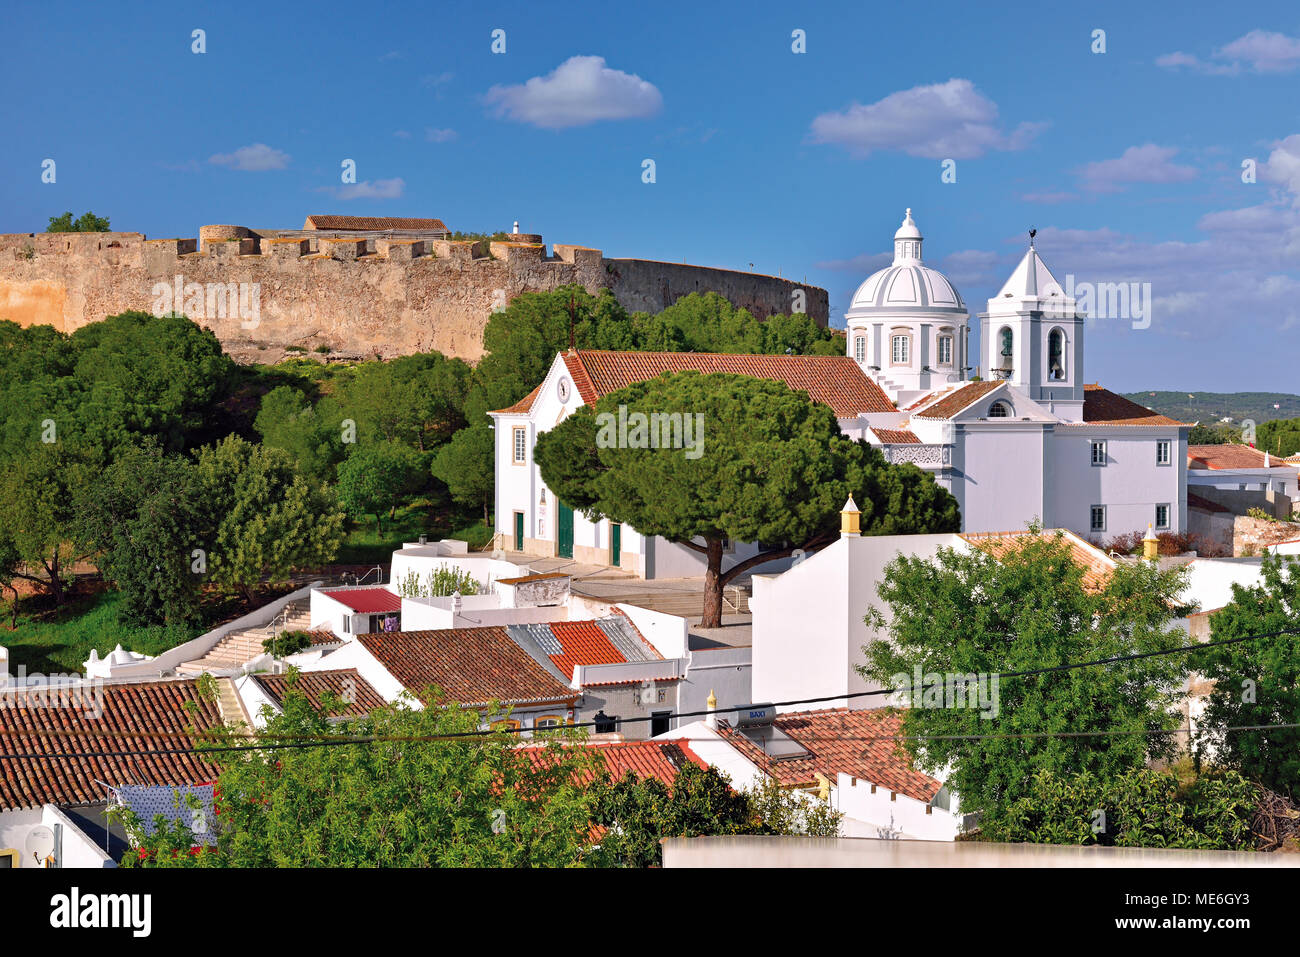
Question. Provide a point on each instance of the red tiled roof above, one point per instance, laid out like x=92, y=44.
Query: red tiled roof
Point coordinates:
x=344, y=683
x=836, y=381
x=366, y=223
x=1103, y=407
x=367, y=600
x=1196, y=501
x=471, y=665
x=583, y=643
x=955, y=402
x=896, y=436
x=841, y=741
x=1096, y=564
x=523, y=405
x=644, y=759
x=152, y=714
x=1229, y=457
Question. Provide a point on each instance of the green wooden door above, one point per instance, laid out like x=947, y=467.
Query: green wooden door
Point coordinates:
x=565, y=543
x=615, y=544
x=519, y=531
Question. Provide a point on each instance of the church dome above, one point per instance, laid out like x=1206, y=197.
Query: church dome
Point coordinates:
x=907, y=286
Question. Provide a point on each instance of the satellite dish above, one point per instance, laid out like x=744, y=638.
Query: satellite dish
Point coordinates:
x=40, y=842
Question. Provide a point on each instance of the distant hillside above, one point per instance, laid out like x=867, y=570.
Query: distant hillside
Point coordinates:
x=1208, y=407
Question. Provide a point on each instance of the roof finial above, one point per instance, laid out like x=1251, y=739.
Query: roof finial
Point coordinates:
x=1032, y=234
x=909, y=214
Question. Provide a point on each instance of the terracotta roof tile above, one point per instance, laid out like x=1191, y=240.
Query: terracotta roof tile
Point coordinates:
x=523, y=405
x=836, y=381
x=583, y=643
x=1229, y=457
x=1096, y=564
x=955, y=402
x=643, y=759
x=1103, y=407
x=345, y=683
x=538, y=577
x=153, y=715
x=373, y=223
x=841, y=741
x=896, y=436
x=471, y=665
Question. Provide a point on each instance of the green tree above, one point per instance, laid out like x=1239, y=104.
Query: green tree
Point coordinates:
x=85, y=223
x=968, y=613
x=264, y=520
x=373, y=478
x=410, y=798
x=286, y=419
x=769, y=466
x=1136, y=808
x=10, y=564
x=38, y=515
x=1258, y=682
x=465, y=465
x=1218, y=433
x=142, y=517
x=1281, y=437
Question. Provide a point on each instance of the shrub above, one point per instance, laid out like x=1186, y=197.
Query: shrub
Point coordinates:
x=438, y=583
x=287, y=643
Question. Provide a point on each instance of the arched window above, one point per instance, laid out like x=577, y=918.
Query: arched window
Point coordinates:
x=860, y=348
x=1006, y=339
x=999, y=410
x=1056, y=355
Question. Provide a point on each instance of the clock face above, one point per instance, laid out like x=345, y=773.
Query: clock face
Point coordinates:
x=562, y=389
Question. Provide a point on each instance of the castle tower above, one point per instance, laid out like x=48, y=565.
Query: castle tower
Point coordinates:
x=1032, y=336
x=907, y=324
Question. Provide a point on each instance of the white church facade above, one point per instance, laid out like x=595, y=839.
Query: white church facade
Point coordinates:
x=1028, y=442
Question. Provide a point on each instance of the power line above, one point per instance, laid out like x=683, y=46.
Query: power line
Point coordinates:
x=305, y=741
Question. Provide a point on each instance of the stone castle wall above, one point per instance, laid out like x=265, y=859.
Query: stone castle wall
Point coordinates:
x=359, y=295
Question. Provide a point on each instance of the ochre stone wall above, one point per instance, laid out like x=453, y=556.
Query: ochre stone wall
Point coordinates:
x=1251, y=535
x=360, y=296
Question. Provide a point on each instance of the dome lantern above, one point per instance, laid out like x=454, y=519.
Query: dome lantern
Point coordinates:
x=907, y=241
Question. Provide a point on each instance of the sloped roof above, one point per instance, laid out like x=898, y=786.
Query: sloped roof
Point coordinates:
x=896, y=436
x=955, y=402
x=471, y=665
x=836, y=381
x=1103, y=407
x=344, y=683
x=366, y=600
x=65, y=746
x=563, y=645
x=367, y=223
x=1230, y=456
x=523, y=405
x=841, y=741
x=1096, y=564
x=644, y=759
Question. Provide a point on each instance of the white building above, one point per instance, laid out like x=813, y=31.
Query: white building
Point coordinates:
x=1029, y=442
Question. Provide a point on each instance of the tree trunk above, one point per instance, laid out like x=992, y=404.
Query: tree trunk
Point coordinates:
x=712, y=585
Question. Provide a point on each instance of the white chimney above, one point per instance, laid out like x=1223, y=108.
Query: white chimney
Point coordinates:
x=455, y=605
x=516, y=227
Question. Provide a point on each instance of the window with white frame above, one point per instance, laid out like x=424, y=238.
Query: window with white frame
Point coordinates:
x=1098, y=453
x=1164, y=452
x=901, y=350
x=520, y=435
x=1097, y=518
x=1162, y=516
x=860, y=348
x=999, y=410
x=945, y=350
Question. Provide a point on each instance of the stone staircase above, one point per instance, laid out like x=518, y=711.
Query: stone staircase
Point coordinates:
x=240, y=647
x=233, y=714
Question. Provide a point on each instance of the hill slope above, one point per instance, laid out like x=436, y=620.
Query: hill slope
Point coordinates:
x=1208, y=407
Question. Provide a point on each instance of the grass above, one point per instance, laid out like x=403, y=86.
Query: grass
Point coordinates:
x=60, y=640
x=365, y=544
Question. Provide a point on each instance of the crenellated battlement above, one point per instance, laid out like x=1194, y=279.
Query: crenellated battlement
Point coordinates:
x=384, y=292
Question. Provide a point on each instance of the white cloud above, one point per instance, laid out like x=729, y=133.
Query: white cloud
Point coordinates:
x=255, y=158
x=1283, y=165
x=949, y=120
x=1261, y=51
x=1138, y=164
x=439, y=136
x=378, y=189
x=580, y=91
x=1048, y=198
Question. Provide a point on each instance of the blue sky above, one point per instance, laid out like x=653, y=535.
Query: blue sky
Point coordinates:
x=1128, y=162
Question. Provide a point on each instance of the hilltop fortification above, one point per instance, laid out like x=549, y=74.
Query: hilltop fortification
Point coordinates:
x=362, y=292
